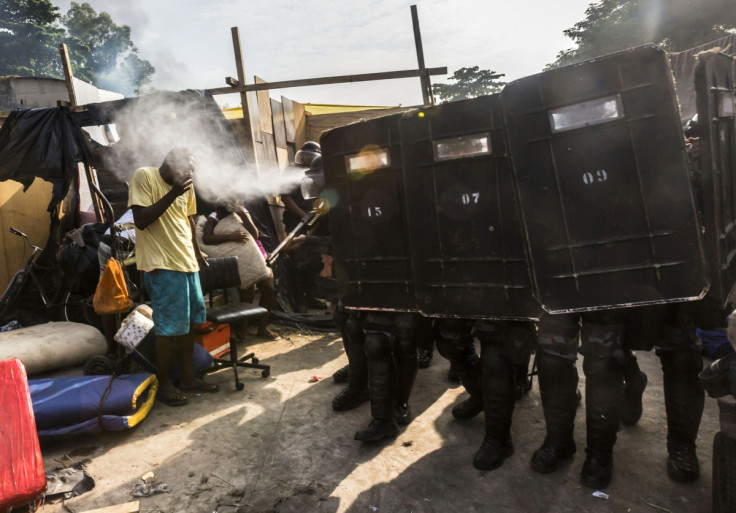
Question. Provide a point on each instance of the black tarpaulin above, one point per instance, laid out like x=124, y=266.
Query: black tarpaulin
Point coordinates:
x=43, y=143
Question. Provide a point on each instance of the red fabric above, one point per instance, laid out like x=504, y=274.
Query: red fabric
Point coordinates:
x=22, y=479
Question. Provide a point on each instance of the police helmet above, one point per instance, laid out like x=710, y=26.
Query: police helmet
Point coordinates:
x=309, y=151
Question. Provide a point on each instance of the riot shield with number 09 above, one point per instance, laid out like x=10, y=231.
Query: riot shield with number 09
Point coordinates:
x=603, y=183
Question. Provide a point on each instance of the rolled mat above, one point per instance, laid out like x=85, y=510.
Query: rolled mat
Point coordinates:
x=88, y=404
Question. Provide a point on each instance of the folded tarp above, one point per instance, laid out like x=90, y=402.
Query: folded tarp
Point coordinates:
x=88, y=404
x=43, y=143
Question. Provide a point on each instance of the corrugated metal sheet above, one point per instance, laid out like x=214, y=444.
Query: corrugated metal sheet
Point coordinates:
x=28, y=92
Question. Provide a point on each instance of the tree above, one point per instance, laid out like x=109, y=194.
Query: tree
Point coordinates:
x=676, y=25
x=469, y=83
x=29, y=38
x=101, y=52
x=111, y=55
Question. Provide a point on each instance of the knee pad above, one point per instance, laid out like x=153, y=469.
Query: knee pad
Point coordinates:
x=555, y=366
x=377, y=345
x=518, y=343
x=405, y=325
x=493, y=359
x=405, y=347
x=602, y=341
x=599, y=366
x=455, y=341
x=557, y=335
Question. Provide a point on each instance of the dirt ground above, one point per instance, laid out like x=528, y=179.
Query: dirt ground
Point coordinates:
x=277, y=446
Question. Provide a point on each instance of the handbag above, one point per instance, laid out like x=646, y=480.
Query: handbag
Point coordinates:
x=111, y=295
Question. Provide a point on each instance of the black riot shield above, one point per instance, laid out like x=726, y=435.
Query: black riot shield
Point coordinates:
x=603, y=182
x=363, y=184
x=467, y=243
x=716, y=168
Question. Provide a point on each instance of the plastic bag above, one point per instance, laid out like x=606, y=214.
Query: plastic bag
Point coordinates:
x=111, y=295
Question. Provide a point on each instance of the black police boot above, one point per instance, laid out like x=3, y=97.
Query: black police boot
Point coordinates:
x=558, y=381
x=377, y=430
x=552, y=454
x=492, y=452
x=682, y=464
x=597, y=469
x=349, y=399
x=684, y=400
x=633, y=392
x=340, y=375
x=468, y=409
x=402, y=414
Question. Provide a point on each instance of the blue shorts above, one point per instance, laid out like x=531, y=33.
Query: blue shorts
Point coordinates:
x=176, y=300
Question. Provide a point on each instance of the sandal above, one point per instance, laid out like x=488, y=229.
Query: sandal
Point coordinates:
x=174, y=399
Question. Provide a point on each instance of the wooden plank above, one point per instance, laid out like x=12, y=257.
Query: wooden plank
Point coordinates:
x=316, y=125
x=248, y=146
x=427, y=95
x=264, y=107
x=300, y=124
x=342, y=79
x=67, y=65
x=289, y=125
x=128, y=507
x=279, y=130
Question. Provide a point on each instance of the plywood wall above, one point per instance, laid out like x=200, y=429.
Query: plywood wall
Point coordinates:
x=25, y=211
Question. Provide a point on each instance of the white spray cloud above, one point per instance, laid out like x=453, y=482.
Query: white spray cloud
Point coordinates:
x=155, y=124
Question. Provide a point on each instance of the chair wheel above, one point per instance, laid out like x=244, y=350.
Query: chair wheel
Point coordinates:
x=255, y=360
x=99, y=366
x=266, y=373
x=239, y=385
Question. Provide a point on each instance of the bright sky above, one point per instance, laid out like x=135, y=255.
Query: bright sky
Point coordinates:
x=190, y=45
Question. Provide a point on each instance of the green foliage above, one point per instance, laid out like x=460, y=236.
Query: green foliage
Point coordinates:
x=469, y=83
x=101, y=52
x=676, y=25
x=29, y=38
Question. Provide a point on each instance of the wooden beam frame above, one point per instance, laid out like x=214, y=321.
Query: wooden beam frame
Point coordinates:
x=342, y=79
x=427, y=95
x=68, y=74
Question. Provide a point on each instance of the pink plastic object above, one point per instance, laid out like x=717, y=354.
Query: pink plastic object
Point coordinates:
x=22, y=479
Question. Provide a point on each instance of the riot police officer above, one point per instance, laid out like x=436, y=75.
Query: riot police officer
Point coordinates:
x=391, y=353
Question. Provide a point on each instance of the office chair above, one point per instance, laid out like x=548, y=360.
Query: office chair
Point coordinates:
x=221, y=275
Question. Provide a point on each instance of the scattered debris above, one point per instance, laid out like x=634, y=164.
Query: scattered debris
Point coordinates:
x=408, y=443
x=191, y=474
x=601, y=495
x=68, y=482
x=373, y=508
x=314, y=379
x=12, y=325
x=148, y=477
x=221, y=479
x=148, y=489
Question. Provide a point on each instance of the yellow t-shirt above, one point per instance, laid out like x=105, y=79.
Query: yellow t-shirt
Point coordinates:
x=167, y=242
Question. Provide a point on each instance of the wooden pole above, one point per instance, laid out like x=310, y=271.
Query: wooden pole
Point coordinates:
x=249, y=147
x=427, y=95
x=68, y=75
x=341, y=79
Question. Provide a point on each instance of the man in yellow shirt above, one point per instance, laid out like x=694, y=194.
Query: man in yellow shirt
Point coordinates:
x=163, y=204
